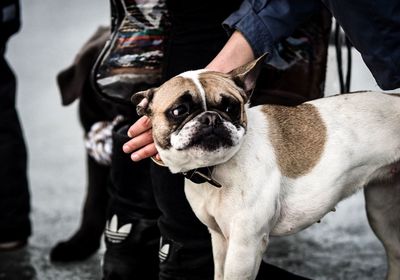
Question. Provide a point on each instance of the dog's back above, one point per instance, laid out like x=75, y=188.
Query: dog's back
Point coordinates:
x=364, y=126
x=361, y=149
x=329, y=148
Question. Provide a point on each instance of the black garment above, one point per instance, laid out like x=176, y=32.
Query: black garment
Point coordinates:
x=14, y=194
x=9, y=19
x=196, y=36
x=133, y=255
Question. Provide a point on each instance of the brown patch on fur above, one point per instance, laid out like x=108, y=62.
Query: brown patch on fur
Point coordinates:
x=170, y=91
x=298, y=135
x=165, y=96
x=215, y=84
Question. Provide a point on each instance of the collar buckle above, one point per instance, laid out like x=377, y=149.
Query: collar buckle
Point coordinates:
x=197, y=176
x=202, y=175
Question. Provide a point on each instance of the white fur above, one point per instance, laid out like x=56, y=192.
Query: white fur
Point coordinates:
x=257, y=200
x=194, y=77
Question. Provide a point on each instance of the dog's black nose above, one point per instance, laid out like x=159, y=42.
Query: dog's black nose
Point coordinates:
x=210, y=119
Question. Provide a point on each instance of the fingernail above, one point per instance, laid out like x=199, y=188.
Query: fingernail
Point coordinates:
x=129, y=134
x=125, y=148
x=135, y=157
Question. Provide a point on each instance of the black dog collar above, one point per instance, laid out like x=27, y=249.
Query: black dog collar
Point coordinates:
x=202, y=175
x=197, y=176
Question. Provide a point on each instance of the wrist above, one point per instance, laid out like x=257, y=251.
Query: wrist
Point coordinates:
x=236, y=52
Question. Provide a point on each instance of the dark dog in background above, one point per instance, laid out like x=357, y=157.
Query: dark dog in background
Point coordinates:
x=74, y=83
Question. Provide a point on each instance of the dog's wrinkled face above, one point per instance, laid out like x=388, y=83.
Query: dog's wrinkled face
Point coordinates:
x=198, y=117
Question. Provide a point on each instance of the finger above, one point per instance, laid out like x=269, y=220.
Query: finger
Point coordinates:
x=138, y=142
x=147, y=151
x=141, y=125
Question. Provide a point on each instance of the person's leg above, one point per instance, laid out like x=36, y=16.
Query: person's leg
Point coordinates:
x=15, y=226
x=185, y=247
x=131, y=234
x=195, y=37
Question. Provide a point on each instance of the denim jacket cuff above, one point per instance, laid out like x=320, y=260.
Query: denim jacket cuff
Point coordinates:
x=247, y=22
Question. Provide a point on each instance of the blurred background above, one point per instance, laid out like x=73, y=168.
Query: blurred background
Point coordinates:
x=342, y=246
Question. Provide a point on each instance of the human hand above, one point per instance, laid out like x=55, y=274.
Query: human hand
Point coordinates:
x=142, y=144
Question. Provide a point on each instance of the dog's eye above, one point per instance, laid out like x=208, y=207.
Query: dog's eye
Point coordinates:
x=229, y=109
x=232, y=109
x=180, y=110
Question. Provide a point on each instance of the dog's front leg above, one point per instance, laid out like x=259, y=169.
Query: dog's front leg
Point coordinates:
x=219, y=247
x=245, y=250
x=255, y=213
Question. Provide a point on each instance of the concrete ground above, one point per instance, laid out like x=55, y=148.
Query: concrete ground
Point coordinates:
x=342, y=246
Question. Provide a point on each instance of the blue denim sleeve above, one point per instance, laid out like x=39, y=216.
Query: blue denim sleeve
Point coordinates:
x=265, y=22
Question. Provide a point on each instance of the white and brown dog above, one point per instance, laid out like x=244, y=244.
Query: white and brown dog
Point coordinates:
x=281, y=168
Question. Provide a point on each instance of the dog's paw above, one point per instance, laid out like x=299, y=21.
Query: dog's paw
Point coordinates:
x=73, y=250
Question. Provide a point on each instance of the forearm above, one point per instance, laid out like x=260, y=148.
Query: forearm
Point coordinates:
x=236, y=52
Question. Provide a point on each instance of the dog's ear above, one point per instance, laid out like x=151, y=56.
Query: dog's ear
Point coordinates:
x=246, y=75
x=142, y=101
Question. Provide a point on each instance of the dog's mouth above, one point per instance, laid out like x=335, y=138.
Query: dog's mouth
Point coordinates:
x=208, y=133
x=200, y=144
x=211, y=138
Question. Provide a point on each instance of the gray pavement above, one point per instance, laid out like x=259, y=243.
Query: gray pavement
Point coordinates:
x=342, y=246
